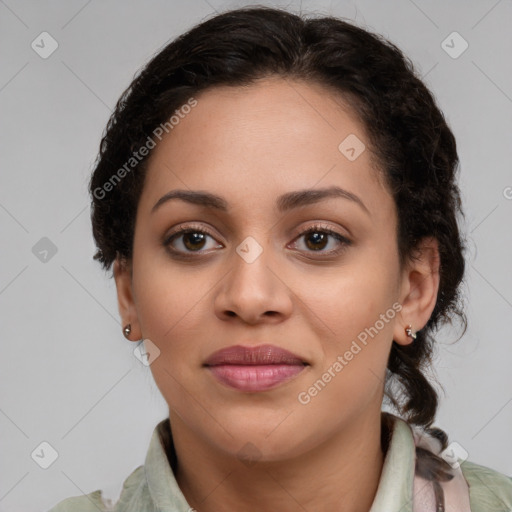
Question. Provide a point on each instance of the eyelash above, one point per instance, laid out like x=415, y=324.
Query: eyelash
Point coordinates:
x=317, y=228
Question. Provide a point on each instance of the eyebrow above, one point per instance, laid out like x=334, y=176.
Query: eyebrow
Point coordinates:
x=285, y=202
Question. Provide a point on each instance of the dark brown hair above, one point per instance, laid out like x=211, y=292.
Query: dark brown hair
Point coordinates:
x=408, y=134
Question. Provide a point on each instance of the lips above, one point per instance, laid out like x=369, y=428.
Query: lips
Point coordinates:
x=254, y=368
x=262, y=354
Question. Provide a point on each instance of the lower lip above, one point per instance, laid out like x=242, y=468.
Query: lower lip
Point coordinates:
x=255, y=377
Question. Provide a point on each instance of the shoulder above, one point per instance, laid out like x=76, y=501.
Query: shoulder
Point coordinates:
x=91, y=502
x=488, y=489
x=94, y=501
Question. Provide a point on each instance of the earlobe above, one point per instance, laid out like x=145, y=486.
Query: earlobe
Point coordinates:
x=410, y=332
x=419, y=288
x=126, y=304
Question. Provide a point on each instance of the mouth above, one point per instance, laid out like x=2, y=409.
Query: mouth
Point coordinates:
x=254, y=368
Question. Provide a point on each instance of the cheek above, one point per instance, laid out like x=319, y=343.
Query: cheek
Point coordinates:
x=358, y=311
x=352, y=371
x=171, y=307
x=168, y=298
x=351, y=299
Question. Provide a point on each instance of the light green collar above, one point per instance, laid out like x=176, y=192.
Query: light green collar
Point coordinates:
x=393, y=493
x=395, y=490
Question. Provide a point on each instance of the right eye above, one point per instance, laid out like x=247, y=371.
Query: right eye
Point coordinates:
x=192, y=240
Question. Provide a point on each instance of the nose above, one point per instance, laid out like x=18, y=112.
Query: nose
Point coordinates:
x=253, y=290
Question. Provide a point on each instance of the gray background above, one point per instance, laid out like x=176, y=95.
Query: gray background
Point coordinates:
x=68, y=376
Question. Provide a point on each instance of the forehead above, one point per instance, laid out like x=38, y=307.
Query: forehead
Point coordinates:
x=264, y=139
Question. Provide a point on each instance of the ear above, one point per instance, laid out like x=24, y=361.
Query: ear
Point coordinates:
x=128, y=312
x=418, y=290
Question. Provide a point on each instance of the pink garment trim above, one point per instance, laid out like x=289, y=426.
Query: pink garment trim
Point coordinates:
x=456, y=490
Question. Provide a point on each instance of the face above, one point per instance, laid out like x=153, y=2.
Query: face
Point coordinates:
x=278, y=261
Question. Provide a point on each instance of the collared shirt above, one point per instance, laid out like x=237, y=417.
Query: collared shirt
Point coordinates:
x=152, y=487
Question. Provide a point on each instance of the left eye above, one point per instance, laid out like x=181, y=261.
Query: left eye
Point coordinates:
x=317, y=238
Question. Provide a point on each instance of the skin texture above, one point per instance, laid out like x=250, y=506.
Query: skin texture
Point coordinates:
x=250, y=145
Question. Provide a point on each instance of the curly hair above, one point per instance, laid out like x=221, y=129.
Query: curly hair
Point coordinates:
x=408, y=137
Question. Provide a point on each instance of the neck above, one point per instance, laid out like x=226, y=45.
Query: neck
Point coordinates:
x=340, y=474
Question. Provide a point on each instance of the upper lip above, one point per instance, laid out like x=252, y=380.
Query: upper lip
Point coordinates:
x=260, y=355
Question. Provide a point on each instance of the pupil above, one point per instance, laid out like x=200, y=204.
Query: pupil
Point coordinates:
x=196, y=238
x=317, y=237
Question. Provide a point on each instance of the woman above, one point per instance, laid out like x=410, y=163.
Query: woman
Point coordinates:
x=277, y=199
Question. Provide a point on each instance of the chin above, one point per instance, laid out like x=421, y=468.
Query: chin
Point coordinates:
x=262, y=441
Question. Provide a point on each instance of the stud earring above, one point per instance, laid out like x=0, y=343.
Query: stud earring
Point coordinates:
x=408, y=331
x=127, y=330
